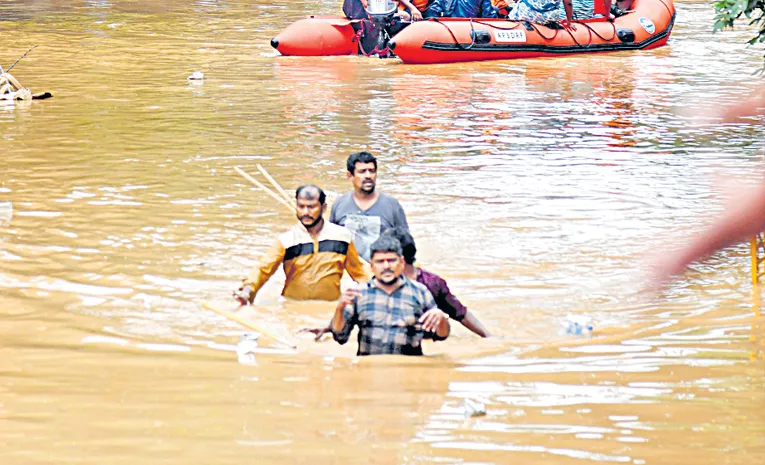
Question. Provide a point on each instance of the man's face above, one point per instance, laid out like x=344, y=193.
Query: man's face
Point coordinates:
x=387, y=266
x=309, y=211
x=364, y=177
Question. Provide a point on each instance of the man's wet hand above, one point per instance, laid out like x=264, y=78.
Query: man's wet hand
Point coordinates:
x=348, y=297
x=416, y=15
x=243, y=295
x=240, y=297
x=431, y=319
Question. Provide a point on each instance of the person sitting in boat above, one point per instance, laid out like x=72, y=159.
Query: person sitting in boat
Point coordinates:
x=406, y=13
x=621, y=8
x=357, y=9
x=541, y=11
x=314, y=254
x=461, y=9
x=394, y=314
x=555, y=11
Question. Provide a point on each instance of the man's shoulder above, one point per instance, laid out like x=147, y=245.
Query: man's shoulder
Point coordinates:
x=418, y=287
x=387, y=198
x=343, y=200
x=428, y=278
x=336, y=232
x=293, y=235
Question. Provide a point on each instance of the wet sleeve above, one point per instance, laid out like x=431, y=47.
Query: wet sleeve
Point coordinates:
x=265, y=268
x=448, y=303
x=354, y=265
x=350, y=316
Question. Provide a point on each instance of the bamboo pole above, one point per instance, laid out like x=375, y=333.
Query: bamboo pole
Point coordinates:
x=753, y=257
x=260, y=185
x=274, y=183
x=247, y=323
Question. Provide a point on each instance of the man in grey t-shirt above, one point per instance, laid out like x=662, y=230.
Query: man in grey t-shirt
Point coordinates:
x=366, y=212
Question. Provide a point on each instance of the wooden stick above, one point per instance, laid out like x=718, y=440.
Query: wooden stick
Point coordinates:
x=22, y=56
x=247, y=323
x=274, y=183
x=263, y=187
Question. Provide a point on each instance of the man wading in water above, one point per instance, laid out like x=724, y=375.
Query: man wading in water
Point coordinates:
x=436, y=285
x=314, y=255
x=394, y=314
x=365, y=211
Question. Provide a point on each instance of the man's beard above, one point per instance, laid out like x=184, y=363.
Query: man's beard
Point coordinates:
x=309, y=226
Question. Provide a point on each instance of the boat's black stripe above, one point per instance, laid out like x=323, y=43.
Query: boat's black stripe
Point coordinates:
x=333, y=246
x=610, y=47
x=327, y=245
x=297, y=250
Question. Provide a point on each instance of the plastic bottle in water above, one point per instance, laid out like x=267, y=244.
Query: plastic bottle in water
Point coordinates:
x=6, y=213
x=245, y=349
x=577, y=325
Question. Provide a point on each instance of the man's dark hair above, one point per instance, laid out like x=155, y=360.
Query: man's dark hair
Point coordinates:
x=386, y=243
x=408, y=249
x=310, y=191
x=359, y=157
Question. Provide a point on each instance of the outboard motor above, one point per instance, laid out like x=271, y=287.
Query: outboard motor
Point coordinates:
x=381, y=13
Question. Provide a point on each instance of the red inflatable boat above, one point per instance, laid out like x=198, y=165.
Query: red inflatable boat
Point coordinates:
x=447, y=40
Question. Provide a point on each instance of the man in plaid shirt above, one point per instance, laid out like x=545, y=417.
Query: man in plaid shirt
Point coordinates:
x=393, y=313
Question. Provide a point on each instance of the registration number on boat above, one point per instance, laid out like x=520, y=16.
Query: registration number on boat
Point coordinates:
x=510, y=36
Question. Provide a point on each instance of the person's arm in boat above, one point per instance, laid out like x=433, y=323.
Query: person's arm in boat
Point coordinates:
x=743, y=217
x=416, y=14
x=568, y=7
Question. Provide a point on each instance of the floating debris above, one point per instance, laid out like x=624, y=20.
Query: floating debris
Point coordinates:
x=474, y=408
x=6, y=213
x=196, y=76
x=245, y=349
x=577, y=325
x=12, y=90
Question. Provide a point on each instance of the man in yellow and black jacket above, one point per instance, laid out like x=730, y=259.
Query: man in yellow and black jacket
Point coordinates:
x=314, y=254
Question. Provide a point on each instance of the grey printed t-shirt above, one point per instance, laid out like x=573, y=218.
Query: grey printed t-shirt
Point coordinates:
x=367, y=226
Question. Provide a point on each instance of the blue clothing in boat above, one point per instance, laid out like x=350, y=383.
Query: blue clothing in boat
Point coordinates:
x=550, y=11
x=461, y=9
x=538, y=11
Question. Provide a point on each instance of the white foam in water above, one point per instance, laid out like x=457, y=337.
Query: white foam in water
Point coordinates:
x=6, y=213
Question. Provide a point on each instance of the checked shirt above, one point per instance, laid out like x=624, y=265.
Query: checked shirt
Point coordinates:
x=388, y=323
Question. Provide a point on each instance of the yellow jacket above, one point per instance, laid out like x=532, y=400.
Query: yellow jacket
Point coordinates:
x=313, y=267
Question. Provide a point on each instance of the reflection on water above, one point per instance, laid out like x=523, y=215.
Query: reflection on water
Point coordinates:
x=536, y=187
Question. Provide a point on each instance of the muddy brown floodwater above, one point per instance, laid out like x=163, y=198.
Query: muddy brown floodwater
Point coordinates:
x=537, y=188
